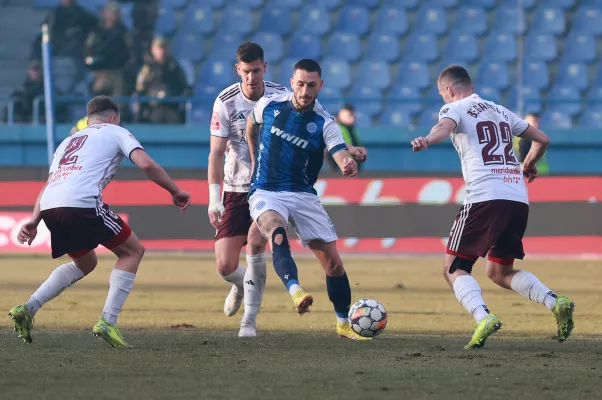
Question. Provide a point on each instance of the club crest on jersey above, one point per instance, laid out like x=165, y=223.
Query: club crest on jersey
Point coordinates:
x=312, y=127
x=260, y=205
x=444, y=111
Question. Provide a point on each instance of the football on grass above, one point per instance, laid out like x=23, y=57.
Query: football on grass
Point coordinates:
x=368, y=317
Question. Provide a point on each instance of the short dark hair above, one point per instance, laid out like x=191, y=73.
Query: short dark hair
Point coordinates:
x=249, y=52
x=308, y=65
x=457, y=74
x=100, y=104
x=348, y=107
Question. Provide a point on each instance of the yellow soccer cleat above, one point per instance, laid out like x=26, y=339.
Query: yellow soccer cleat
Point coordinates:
x=302, y=301
x=110, y=334
x=23, y=322
x=345, y=331
x=563, y=314
x=483, y=330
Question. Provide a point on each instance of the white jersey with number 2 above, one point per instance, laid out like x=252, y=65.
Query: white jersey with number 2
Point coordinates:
x=483, y=140
x=84, y=164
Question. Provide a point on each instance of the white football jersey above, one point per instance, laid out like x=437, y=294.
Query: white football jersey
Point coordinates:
x=483, y=139
x=84, y=164
x=229, y=120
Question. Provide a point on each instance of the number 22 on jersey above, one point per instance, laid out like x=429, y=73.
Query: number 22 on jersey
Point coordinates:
x=490, y=134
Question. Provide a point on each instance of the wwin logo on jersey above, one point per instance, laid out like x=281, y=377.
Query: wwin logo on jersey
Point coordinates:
x=296, y=140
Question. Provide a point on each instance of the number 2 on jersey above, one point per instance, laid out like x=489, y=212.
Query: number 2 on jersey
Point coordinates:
x=489, y=135
x=74, y=145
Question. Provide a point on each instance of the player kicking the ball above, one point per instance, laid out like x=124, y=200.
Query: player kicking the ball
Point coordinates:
x=72, y=208
x=494, y=216
x=287, y=152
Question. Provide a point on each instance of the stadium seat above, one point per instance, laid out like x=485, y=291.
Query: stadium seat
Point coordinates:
x=591, y=118
x=463, y=46
x=488, y=4
x=366, y=3
x=344, y=45
x=451, y=59
x=276, y=20
x=382, y=47
x=548, y=20
x=564, y=99
x=472, y=19
x=362, y=120
x=393, y=116
x=536, y=74
x=197, y=20
x=588, y=19
x=272, y=45
x=501, y=47
x=66, y=73
x=165, y=24
x=214, y=4
x=173, y=4
x=314, y=19
x=429, y=117
x=285, y=71
x=207, y=93
x=200, y=114
x=555, y=120
x=489, y=93
x=579, y=47
x=494, y=74
x=444, y=3
x=422, y=48
x=98, y=4
x=531, y=100
x=217, y=72
x=328, y=4
x=573, y=74
x=564, y=4
x=413, y=74
x=252, y=4
x=289, y=5
x=186, y=46
x=431, y=20
x=594, y=96
x=405, y=99
x=367, y=98
x=46, y=4
x=224, y=46
x=331, y=99
x=391, y=21
x=541, y=47
x=506, y=20
x=354, y=19
x=188, y=68
x=336, y=73
x=375, y=73
x=407, y=4
x=235, y=20
x=304, y=45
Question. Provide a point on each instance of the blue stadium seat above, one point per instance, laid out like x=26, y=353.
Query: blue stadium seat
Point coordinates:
x=536, y=74
x=314, y=19
x=224, y=45
x=541, y=47
x=488, y=4
x=429, y=117
x=331, y=99
x=501, y=47
x=236, y=20
x=66, y=72
x=431, y=20
x=252, y=4
x=188, y=68
x=207, y=93
x=393, y=116
x=174, y=4
x=366, y=98
x=548, y=20
x=285, y=71
x=494, y=74
x=565, y=4
x=422, y=48
x=286, y=4
x=269, y=74
x=573, y=74
x=186, y=46
x=588, y=19
x=564, y=99
x=197, y=20
x=594, y=97
x=414, y=74
x=555, y=120
x=382, y=47
x=407, y=4
x=531, y=100
x=214, y=4
x=304, y=45
x=200, y=114
x=366, y=3
x=591, y=118
x=506, y=20
x=362, y=120
x=98, y=4
x=376, y=73
x=336, y=73
x=391, y=21
x=354, y=19
x=217, y=72
x=276, y=20
x=329, y=4
x=272, y=45
x=445, y=3
x=580, y=47
x=46, y=4
x=472, y=19
x=463, y=46
x=405, y=99
x=451, y=59
x=344, y=45
x=489, y=93
x=165, y=24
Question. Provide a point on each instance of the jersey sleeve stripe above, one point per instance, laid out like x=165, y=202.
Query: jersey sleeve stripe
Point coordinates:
x=456, y=122
x=337, y=148
x=520, y=134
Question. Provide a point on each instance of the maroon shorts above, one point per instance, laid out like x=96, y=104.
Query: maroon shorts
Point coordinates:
x=77, y=231
x=496, y=227
x=236, y=220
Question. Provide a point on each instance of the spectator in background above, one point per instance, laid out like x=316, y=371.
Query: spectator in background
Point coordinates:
x=161, y=77
x=346, y=121
x=524, y=146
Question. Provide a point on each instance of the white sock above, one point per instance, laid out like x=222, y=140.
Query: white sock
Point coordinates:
x=526, y=284
x=342, y=320
x=254, y=284
x=468, y=292
x=120, y=285
x=237, y=277
x=293, y=288
x=61, y=278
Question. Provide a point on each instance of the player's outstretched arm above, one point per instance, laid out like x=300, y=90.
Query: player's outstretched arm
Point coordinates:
x=215, y=177
x=346, y=163
x=439, y=133
x=158, y=175
x=539, y=145
x=252, y=136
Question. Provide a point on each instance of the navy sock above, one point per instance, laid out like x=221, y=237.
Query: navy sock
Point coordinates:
x=283, y=261
x=339, y=293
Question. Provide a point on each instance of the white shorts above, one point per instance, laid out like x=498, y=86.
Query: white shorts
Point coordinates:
x=303, y=210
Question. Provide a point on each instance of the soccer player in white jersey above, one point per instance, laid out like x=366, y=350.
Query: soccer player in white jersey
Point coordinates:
x=229, y=213
x=494, y=216
x=72, y=208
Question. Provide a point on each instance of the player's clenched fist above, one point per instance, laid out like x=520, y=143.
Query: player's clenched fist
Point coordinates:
x=181, y=199
x=27, y=233
x=420, y=143
x=359, y=154
x=349, y=167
